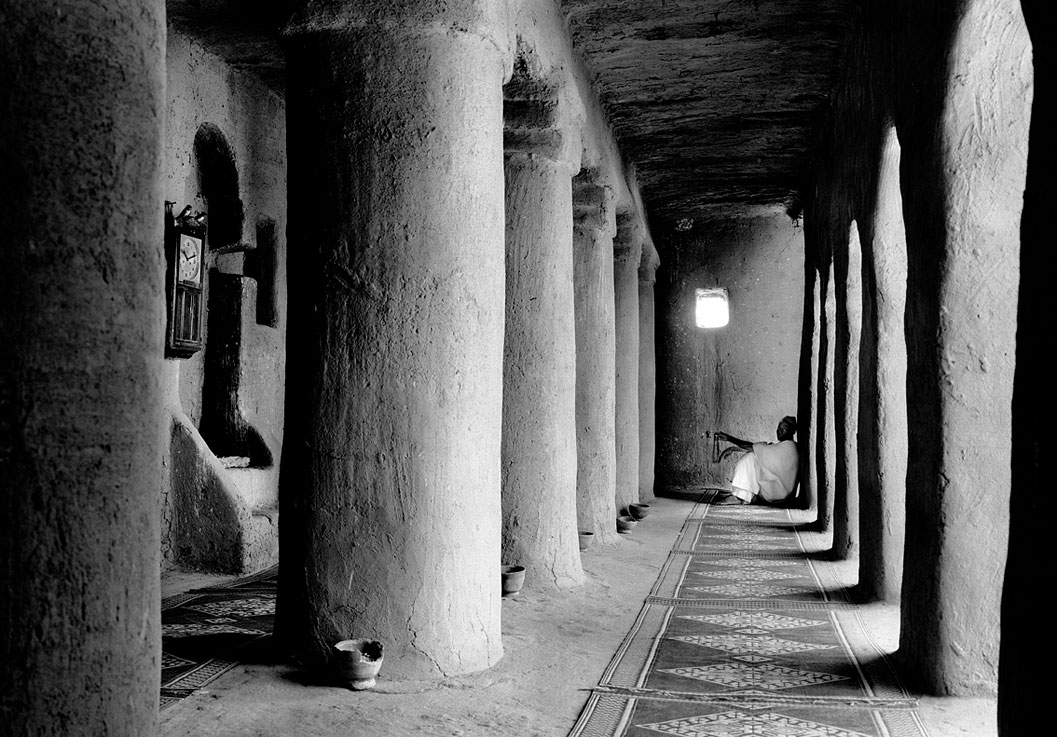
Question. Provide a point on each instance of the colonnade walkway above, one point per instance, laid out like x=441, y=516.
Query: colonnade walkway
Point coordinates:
x=707, y=620
x=743, y=634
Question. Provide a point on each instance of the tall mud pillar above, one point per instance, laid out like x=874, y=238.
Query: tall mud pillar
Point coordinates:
x=807, y=404
x=647, y=371
x=1023, y=679
x=846, y=385
x=964, y=137
x=882, y=389
x=391, y=469
x=82, y=317
x=627, y=255
x=825, y=433
x=594, y=226
x=539, y=369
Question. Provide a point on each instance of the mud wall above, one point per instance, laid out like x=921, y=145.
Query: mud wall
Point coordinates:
x=741, y=378
x=249, y=361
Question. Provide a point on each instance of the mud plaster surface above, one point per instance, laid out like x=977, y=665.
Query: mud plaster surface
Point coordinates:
x=556, y=645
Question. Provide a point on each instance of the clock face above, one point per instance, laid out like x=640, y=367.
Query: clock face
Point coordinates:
x=189, y=259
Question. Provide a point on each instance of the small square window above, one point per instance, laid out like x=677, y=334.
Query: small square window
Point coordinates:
x=713, y=309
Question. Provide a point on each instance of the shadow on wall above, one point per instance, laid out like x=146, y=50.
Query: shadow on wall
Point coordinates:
x=224, y=424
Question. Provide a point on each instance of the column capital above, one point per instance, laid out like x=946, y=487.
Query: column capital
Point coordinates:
x=594, y=204
x=648, y=264
x=536, y=116
x=545, y=144
x=630, y=238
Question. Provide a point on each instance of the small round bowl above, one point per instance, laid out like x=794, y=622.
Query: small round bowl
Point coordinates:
x=358, y=662
x=639, y=511
x=513, y=579
x=626, y=524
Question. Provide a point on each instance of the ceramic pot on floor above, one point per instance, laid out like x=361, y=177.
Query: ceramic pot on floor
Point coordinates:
x=358, y=662
x=513, y=579
x=639, y=511
x=625, y=524
x=586, y=538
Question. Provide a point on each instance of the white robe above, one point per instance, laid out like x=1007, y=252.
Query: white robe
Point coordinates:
x=769, y=470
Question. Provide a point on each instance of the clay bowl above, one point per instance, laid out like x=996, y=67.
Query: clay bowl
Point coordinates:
x=639, y=511
x=513, y=579
x=586, y=538
x=626, y=524
x=358, y=662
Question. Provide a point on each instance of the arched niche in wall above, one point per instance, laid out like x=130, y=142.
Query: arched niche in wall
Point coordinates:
x=223, y=424
x=219, y=184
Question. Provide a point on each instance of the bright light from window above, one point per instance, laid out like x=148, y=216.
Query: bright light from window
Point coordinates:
x=712, y=308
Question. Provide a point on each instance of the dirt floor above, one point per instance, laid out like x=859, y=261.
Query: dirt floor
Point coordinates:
x=557, y=645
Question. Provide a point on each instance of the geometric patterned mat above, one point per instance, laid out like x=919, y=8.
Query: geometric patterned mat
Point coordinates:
x=742, y=635
x=207, y=632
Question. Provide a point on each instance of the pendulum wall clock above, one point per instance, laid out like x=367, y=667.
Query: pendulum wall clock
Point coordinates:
x=184, y=239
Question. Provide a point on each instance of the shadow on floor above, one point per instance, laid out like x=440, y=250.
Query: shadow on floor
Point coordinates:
x=207, y=632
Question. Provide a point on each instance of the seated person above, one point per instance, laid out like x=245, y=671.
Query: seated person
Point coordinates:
x=768, y=470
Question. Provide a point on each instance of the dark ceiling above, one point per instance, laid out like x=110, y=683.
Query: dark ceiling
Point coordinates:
x=715, y=102
x=245, y=33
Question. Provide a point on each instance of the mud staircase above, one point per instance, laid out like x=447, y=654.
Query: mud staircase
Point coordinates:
x=260, y=532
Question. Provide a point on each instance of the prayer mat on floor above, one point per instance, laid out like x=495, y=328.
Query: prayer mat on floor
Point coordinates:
x=742, y=635
x=207, y=632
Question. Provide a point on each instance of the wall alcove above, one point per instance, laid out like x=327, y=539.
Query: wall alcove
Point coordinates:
x=219, y=184
x=223, y=425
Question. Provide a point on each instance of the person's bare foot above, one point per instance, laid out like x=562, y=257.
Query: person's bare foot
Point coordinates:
x=730, y=499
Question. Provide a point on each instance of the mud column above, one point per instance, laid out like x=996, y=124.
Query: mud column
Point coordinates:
x=647, y=371
x=848, y=270
x=882, y=398
x=627, y=254
x=1022, y=682
x=825, y=414
x=807, y=394
x=965, y=138
x=390, y=481
x=539, y=371
x=82, y=316
x=593, y=231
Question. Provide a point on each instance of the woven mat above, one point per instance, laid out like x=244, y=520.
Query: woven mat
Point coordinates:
x=207, y=632
x=742, y=635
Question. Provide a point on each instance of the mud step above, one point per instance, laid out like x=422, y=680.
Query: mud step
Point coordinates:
x=260, y=545
x=256, y=486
